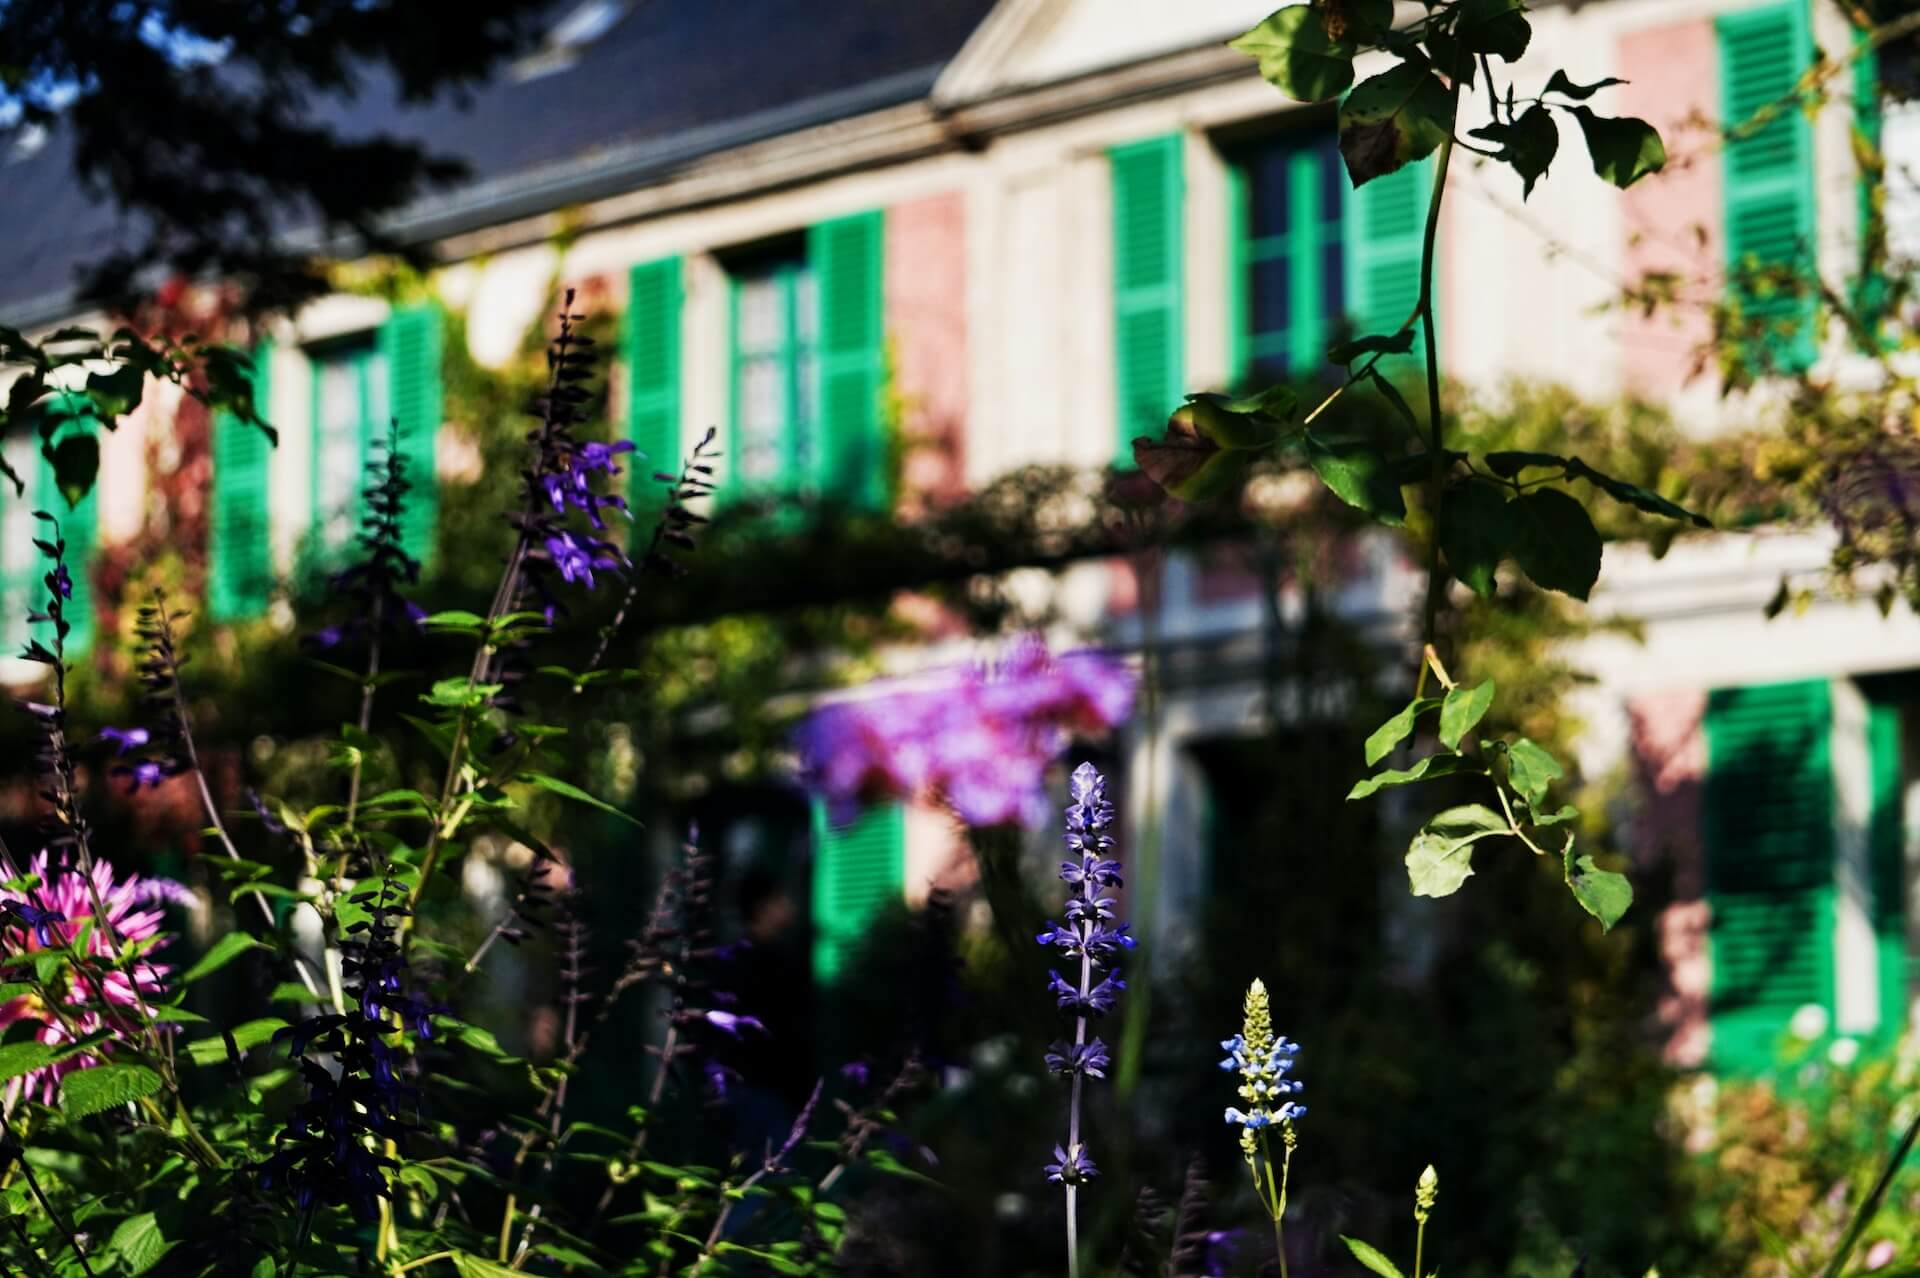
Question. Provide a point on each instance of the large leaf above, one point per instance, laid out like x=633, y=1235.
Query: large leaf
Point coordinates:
x=1555, y=542
x=1497, y=27
x=1360, y=475
x=23, y=1058
x=475, y=1267
x=1624, y=149
x=1476, y=528
x=76, y=463
x=1528, y=144
x=1190, y=465
x=1440, y=857
x=1601, y=893
x=138, y=1242
x=1392, y=119
x=1297, y=53
x=1357, y=21
x=222, y=952
x=89, y=1091
x=1438, y=765
x=1252, y=421
x=1463, y=708
x=213, y=1051
x=1395, y=730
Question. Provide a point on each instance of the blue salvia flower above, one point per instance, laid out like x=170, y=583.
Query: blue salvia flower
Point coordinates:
x=1092, y=937
x=1263, y=1060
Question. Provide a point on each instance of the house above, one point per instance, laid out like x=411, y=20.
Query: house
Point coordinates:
x=1036, y=223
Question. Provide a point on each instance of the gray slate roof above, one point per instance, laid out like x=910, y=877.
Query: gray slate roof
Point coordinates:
x=673, y=80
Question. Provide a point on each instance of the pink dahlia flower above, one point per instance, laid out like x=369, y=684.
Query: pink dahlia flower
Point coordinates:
x=62, y=900
x=979, y=740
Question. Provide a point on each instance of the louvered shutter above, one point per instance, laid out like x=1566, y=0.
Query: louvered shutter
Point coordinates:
x=845, y=255
x=1385, y=238
x=80, y=525
x=1768, y=171
x=1149, y=193
x=652, y=351
x=1770, y=867
x=410, y=346
x=239, y=547
x=858, y=869
x=1886, y=842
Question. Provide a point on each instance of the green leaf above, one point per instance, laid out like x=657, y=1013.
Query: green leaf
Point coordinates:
x=568, y=790
x=1384, y=344
x=23, y=1058
x=10, y=990
x=1566, y=813
x=1528, y=144
x=1496, y=27
x=89, y=1091
x=1438, y=765
x=116, y=393
x=1189, y=464
x=1555, y=542
x=138, y=1242
x=1530, y=770
x=1464, y=708
x=76, y=462
x=213, y=1051
x=1440, y=858
x=1601, y=893
x=1476, y=528
x=459, y=693
x=1559, y=83
x=1634, y=495
x=1624, y=149
x=475, y=1267
x=1393, y=119
x=1298, y=55
x=1395, y=730
x=222, y=952
x=1253, y=422
x=1371, y=1257
x=1508, y=464
x=1357, y=21
x=1358, y=475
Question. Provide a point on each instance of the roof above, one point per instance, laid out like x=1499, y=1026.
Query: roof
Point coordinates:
x=668, y=82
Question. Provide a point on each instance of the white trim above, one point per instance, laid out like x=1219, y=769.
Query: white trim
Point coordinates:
x=1856, y=959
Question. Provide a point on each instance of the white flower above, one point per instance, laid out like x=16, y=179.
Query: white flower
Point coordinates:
x=1809, y=1023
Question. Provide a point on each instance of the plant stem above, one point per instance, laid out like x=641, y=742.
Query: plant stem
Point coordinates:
x=1419, y=1247
x=1437, y=469
x=424, y=1260
x=1870, y=1205
x=67, y=1233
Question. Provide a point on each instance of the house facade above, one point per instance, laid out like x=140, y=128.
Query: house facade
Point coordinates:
x=1030, y=226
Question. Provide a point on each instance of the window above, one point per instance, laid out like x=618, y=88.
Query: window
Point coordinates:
x=349, y=412
x=239, y=520
x=1290, y=201
x=809, y=366
x=22, y=565
x=776, y=372
x=1767, y=179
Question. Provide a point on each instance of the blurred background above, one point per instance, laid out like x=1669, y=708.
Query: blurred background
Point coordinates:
x=927, y=273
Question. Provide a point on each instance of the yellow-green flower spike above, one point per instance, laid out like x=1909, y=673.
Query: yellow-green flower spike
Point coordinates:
x=1425, y=1193
x=1258, y=1027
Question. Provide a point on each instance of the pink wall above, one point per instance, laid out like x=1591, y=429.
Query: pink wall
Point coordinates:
x=926, y=326
x=1673, y=220
x=1670, y=756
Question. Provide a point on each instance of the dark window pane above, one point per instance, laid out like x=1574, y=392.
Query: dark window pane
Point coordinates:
x=1268, y=369
x=1267, y=190
x=1333, y=182
x=1272, y=295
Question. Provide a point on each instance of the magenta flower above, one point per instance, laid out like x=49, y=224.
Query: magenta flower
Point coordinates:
x=61, y=906
x=979, y=740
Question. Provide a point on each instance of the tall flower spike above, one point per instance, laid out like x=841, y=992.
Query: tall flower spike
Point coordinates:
x=1263, y=1062
x=1092, y=938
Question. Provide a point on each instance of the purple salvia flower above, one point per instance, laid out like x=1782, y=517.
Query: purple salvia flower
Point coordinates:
x=732, y=1023
x=1087, y=936
x=125, y=739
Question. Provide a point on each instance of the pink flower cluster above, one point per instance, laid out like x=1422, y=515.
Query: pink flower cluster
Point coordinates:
x=62, y=899
x=979, y=740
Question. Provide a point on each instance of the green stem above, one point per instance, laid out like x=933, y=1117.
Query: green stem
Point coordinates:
x=1437, y=470
x=1870, y=1206
x=1419, y=1247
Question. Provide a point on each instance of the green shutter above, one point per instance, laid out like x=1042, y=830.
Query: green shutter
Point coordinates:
x=1769, y=838
x=410, y=342
x=239, y=547
x=79, y=526
x=846, y=257
x=1886, y=855
x=1767, y=174
x=652, y=341
x=1149, y=193
x=858, y=869
x=1386, y=233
